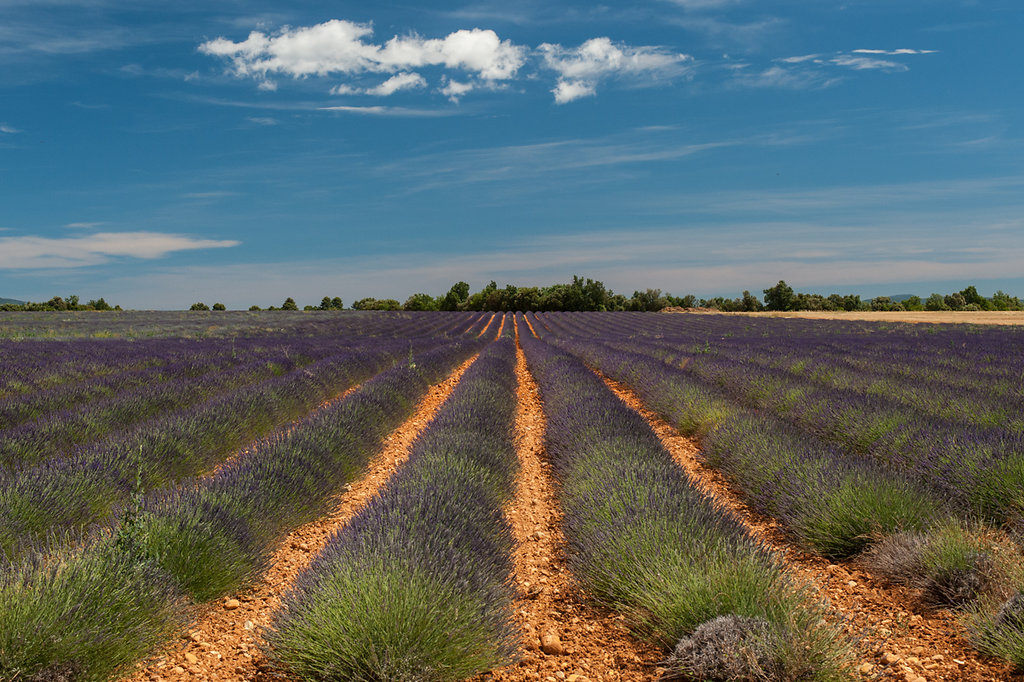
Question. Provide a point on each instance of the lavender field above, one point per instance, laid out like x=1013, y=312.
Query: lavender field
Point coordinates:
x=153, y=464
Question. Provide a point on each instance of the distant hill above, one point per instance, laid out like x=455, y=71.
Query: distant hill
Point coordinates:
x=899, y=298
x=11, y=300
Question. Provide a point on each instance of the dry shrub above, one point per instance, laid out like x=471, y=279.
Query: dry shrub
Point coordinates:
x=729, y=648
x=951, y=565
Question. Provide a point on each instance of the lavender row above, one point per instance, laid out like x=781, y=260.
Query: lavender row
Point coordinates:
x=71, y=493
x=45, y=326
x=969, y=469
x=27, y=367
x=643, y=540
x=985, y=362
x=75, y=491
x=831, y=500
x=417, y=586
x=91, y=612
x=61, y=431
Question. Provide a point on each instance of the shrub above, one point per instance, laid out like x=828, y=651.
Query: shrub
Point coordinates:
x=726, y=648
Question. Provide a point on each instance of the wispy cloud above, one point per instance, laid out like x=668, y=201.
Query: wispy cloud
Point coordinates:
x=396, y=112
x=83, y=226
x=263, y=120
x=570, y=160
x=400, y=81
x=719, y=259
x=865, y=63
x=810, y=71
x=217, y=194
x=31, y=252
x=9, y=130
x=903, y=50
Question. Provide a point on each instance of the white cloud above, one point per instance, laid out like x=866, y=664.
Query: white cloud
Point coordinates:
x=800, y=59
x=10, y=130
x=401, y=81
x=866, y=63
x=262, y=120
x=395, y=112
x=22, y=253
x=84, y=226
x=780, y=77
x=600, y=57
x=340, y=47
x=902, y=50
x=454, y=90
x=580, y=68
x=567, y=91
x=703, y=4
x=267, y=86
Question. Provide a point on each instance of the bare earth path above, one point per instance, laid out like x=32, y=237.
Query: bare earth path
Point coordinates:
x=920, y=645
x=594, y=644
x=222, y=644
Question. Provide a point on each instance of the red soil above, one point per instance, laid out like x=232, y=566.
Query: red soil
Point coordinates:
x=594, y=643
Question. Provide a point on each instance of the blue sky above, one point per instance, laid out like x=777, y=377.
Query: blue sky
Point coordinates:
x=160, y=153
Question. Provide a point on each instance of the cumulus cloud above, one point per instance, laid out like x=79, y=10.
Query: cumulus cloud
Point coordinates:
x=581, y=68
x=454, y=90
x=343, y=47
x=30, y=252
x=567, y=91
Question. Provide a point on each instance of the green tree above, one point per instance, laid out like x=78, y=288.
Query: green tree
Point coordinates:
x=936, y=302
x=649, y=300
x=913, y=303
x=199, y=305
x=254, y=308
x=421, y=302
x=456, y=296
x=750, y=302
x=98, y=304
x=779, y=297
x=971, y=295
x=289, y=304
x=955, y=301
x=219, y=306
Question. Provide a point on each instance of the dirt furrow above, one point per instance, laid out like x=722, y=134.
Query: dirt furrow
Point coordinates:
x=894, y=638
x=222, y=644
x=487, y=326
x=592, y=643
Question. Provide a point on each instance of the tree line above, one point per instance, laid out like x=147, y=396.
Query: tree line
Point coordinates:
x=583, y=293
x=587, y=294
x=72, y=302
